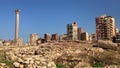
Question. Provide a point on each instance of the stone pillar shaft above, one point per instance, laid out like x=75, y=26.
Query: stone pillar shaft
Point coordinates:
x=17, y=24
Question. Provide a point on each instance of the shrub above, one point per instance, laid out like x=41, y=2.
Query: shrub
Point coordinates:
x=98, y=64
x=60, y=66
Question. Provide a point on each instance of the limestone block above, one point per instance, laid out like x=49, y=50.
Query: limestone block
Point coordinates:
x=43, y=67
x=30, y=66
x=26, y=62
x=16, y=64
x=20, y=60
x=37, y=62
x=31, y=61
x=21, y=66
x=82, y=64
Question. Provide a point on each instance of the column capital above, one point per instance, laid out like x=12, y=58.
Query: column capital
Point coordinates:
x=17, y=10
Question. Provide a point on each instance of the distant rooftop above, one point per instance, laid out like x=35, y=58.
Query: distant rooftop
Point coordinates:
x=104, y=15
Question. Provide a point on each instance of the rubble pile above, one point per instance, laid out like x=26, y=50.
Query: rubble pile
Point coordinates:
x=31, y=57
x=70, y=56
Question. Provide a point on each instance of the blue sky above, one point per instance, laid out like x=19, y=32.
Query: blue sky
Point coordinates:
x=52, y=16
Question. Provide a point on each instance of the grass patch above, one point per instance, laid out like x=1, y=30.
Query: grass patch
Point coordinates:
x=60, y=66
x=4, y=60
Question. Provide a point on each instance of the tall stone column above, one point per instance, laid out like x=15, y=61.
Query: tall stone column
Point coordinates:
x=17, y=11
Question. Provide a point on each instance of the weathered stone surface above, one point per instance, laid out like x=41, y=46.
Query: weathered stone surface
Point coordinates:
x=107, y=45
x=43, y=67
x=2, y=64
x=21, y=66
x=16, y=64
x=82, y=65
x=20, y=60
x=31, y=62
x=26, y=62
x=97, y=50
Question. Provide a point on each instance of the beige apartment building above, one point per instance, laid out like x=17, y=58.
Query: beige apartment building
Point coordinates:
x=47, y=37
x=85, y=36
x=80, y=31
x=105, y=27
x=72, y=31
x=55, y=37
x=94, y=37
x=117, y=40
